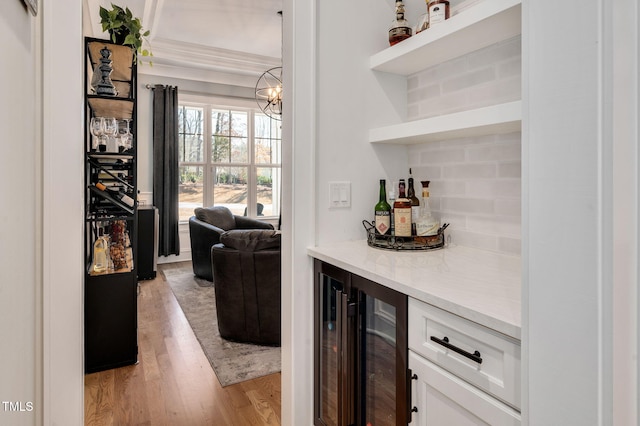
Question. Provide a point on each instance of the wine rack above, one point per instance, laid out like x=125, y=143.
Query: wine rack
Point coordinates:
x=110, y=181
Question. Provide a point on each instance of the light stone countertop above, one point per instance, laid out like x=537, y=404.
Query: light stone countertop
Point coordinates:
x=481, y=286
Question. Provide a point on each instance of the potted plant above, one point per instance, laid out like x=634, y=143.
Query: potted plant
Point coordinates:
x=124, y=28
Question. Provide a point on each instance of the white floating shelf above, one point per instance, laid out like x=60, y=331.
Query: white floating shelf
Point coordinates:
x=478, y=26
x=496, y=119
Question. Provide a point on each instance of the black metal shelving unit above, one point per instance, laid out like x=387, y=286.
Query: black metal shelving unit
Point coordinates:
x=110, y=296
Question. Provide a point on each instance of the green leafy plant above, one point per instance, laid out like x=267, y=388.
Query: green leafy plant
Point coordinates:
x=124, y=29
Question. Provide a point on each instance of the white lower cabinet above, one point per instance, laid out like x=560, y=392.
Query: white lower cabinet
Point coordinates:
x=442, y=399
x=463, y=373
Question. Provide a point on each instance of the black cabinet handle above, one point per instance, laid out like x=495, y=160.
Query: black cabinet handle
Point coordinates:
x=410, y=377
x=475, y=356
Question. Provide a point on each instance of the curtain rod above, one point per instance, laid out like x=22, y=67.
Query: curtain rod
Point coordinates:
x=151, y=86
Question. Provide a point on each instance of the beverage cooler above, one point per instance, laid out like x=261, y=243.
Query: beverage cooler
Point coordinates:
x=361, y=373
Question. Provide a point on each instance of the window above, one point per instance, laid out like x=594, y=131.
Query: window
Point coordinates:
x=229, y=156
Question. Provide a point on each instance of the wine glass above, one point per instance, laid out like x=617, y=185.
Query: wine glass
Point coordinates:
x=111, y=129
x=97, y=130
x=126, y=138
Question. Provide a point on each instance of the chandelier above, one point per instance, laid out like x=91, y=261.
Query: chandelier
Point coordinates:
x=269, y=93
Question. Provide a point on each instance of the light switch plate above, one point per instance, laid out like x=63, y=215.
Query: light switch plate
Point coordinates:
x=339, y=194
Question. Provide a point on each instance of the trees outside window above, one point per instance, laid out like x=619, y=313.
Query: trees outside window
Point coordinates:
x=229, y=156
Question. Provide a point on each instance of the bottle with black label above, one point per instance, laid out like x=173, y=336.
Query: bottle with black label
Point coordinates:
x=383, y=211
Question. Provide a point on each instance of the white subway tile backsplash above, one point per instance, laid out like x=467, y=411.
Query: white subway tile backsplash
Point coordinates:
x=496, y=152
x=467, y=205
x=494, y=188
x=475, y=182
x=468, y=80
x=442, y=156
x=510, y=170
x=510, y=68
x=463, y=237
x=423, y=93
x=447, y=188
x=493, y=224
x=495, y=53
x=413, y=82
x=469, y=170
x=508, y=206
x=442, y=71
x=510, y=245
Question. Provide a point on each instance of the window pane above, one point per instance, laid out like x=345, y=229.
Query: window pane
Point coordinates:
x=220, y=122
x=190, y=190
x=230, y=188
x=267, y=142
x=190, y=125
x=268, y=151
x=268, y=190
x=266, y=127
x=239, y=151
x=220, y=149
x=238, y=123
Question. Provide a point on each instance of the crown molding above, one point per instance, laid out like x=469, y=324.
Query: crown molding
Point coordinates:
x=192, y=55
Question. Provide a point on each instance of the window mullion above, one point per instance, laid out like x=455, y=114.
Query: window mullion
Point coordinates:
x=208, y=172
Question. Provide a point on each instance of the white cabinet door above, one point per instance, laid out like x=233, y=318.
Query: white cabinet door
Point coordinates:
x=443, y=399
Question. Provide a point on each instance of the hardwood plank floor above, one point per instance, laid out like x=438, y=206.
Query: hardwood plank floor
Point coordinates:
x=173, y=383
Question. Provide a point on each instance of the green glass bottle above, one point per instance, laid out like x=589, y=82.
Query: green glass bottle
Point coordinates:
x=383, y=211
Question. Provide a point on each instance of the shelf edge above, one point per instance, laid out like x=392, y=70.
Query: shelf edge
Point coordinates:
x=444, y=42
x=496, y=119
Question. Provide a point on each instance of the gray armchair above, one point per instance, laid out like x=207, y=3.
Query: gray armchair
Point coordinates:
x=205, y=228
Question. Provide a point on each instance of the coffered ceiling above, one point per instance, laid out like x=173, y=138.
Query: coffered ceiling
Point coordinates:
x=237, y=36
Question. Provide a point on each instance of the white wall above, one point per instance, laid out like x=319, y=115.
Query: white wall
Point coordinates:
x=41, y=258
x=580, y=184
x=350, y=99
x=20, y=262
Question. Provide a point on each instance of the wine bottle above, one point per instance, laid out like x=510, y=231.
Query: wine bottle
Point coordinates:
x=426, y=225
x=100, y=260
x=415, y=204
x=126, y=199
x=383, y=211
x=402, y=212
x=399, y=29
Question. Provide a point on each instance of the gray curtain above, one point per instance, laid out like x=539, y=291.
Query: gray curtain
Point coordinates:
x=165, y=167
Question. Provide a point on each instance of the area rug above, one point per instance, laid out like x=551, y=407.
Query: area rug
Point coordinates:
x=232, y=362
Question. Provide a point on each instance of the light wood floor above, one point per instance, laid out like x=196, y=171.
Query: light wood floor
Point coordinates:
x=173, y=383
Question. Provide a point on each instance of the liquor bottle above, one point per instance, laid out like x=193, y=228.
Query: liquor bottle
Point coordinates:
x=399, y=29
x=438, y=11
x=383, y=211
x=402, y=212
x=415, y=204
x=423, y=21
x=100, y=246
x=392, y=199
x=426, y=225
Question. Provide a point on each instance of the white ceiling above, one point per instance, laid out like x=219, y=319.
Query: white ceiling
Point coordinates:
x=243, y=36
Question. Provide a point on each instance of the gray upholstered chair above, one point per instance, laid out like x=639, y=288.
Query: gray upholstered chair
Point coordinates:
x=205, y=228
x=246, y=266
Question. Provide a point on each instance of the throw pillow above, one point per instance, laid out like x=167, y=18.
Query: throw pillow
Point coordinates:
x=219, y=216
x=251, y=240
